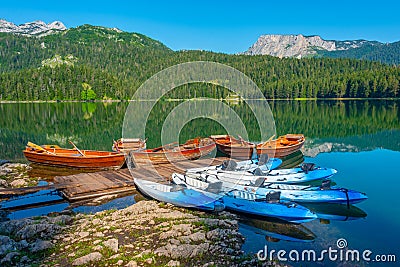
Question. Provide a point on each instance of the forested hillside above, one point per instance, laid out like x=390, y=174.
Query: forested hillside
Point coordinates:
x=385, y=53
x=113, y=64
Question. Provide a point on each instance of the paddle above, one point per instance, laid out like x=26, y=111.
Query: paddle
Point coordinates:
x=266, y=142
x=32, y=145
x=80, y=152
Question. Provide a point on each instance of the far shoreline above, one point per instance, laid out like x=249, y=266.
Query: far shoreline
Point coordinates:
x=196, y=99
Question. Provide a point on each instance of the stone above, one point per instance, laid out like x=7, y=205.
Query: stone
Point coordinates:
x=120, y=262
x=5, y=170
x=42, y=230
x=83, y=234
x=24, y=259
x=61, y=220
x=96, y=242
x=198, y=236
x=3, y=183
x=18, y=183
x=98, y=234
x=40, y=245
x=9, y=257
x=173, y=263
x=6, y=244
x=111, y=244
x=22, y=244
x=92, y=257
x=97, y=248
x=131, y=264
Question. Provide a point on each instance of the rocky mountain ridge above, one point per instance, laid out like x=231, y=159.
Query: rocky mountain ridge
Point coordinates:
x=35, y=28
x=299, y=46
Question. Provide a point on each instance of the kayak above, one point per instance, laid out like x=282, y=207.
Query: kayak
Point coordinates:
x=245, y=165
x=180, y=196
x=289, y=192
x=257, y=176
x=250, y=203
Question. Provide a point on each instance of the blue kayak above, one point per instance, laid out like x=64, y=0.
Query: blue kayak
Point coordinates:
x=257, y=205
x=180, y=196
x=249, y=203
x=289, y=192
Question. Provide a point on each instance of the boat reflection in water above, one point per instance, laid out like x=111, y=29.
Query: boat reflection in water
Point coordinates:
x=291, y=161
x=335, y=212
x=275, y=231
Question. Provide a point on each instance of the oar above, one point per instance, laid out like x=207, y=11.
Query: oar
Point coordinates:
x=116, y=146
x=161, y=147
x=266, y=142
x=242, y=141
x=80, y=152
x=32, y=145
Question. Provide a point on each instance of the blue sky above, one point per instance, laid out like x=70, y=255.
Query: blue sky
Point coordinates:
x=221, y=26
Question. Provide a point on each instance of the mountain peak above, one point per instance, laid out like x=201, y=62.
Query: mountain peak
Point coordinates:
x=34, y=28
x=289, y=45
x=298, y=46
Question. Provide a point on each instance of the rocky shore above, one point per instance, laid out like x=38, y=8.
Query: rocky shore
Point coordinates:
x=145, y=234
x=15, y=175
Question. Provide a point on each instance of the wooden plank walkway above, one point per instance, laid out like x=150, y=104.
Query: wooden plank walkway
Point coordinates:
x=88, y=185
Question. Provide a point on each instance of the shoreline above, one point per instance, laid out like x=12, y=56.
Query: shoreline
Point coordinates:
x=147, y=233
x=196, y=99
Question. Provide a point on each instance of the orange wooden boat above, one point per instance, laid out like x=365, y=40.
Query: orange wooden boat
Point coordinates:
x=192, y=149
x=128, y=144
x=282, y=146
x=74, y=158
x=232, y=147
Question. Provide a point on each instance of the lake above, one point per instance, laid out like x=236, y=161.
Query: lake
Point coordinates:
x=361, y=139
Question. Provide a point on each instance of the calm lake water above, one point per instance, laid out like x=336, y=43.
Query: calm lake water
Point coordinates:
x=361, y=139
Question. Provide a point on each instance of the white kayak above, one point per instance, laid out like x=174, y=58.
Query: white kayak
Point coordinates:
x=245, y=165
x=284, y=176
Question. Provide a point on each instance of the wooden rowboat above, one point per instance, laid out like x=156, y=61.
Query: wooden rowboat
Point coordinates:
x=83, y=159
x=282, y=146
x=192, y=149
x=128, y=144
x=232, y=147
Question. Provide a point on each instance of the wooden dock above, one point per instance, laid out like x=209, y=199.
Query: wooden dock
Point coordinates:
x=89, y=185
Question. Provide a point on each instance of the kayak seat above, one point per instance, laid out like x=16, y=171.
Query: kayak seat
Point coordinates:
x=228, y=165
x=263, y=159
x=273, y=197
x=306, y=167
x=326, y=185
x=177, y=187
x=259, y=182
x=258, y=172
x=214, y=187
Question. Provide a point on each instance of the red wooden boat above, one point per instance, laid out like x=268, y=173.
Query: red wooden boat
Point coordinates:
x=128, y=144
x=192, y=149
x=232, y=147
x=282, y=146
x=74, y=158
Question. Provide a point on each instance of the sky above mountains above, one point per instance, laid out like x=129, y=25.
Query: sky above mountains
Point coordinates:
x=220, y=26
